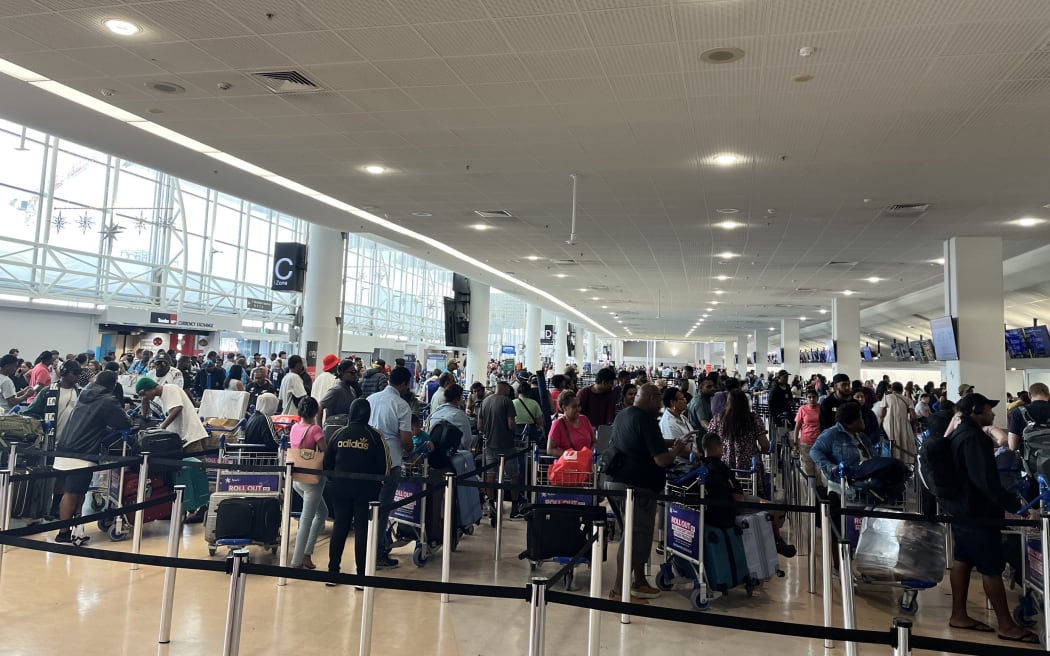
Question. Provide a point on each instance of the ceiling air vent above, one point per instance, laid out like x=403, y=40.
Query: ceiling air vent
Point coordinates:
x=494, y=214
x=906, y=209
x=564, y=262
x=285, y=81
x=840, y=263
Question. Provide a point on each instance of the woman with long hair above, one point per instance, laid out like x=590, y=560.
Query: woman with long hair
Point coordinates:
x=306, y=450
x=743, y=435
x=627, y=395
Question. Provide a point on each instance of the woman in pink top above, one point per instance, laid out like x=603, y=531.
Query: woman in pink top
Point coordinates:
x=40, y=375
x=572, y=429
x=807, y=428
x=307, y=436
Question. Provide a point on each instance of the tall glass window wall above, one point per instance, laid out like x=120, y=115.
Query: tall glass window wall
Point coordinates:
x=83, y=227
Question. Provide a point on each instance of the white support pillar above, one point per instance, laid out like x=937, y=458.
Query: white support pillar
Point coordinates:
x=973, y=295
x=617, y=353
x=478, y=335
x=322, y=306
x=561, y=354
x=533, y=334
x=789, y=343
x=845, y=330
x=761, y=350
x=741, y=355
x=730, y=352
x=591, y=354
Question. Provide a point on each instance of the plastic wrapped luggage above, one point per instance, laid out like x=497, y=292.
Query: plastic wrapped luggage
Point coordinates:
x=558, y=531
x=468, y=499
x=760, y=546
x=724, y=560
x=900, y=550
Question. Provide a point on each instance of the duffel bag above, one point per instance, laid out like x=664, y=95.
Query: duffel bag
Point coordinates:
x=24, y=430
x=159, y=443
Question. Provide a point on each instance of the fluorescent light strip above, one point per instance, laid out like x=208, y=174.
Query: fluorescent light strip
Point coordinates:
x=156, y=129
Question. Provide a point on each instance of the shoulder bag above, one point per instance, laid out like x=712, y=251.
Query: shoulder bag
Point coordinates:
x=307, y=459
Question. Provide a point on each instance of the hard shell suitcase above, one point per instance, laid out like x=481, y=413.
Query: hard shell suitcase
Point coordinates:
x=724, y=561
x=760, y=546
x=468, y=499
x=249, y=518
x=197, y=489
x=32, y=499
x=558, y=530
x=155, y=487
x=159, y=443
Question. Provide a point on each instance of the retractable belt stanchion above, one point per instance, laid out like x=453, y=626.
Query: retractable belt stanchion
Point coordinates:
x=140, y=514
x=825, y=566
x=537, y=615
x=903, y=636
x=5, y=521
x=5, y=479
x=174, y=533
x=499, y=507
x=235, y=606
x=849, y=618
x=627, y=541
x=595, y=617
x=286, y=519
x=812, y=519
x=446, y=551
x=368, y=605
x=1044, y=525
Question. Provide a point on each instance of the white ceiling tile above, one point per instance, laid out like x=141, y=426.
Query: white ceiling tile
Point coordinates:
x=644, y=87
x=724, y=19
x=440, y=11
x=986, y=38
x=591, y=5
x=63, y=5
x=1033, y=65
x=262, y=17
x=490, y=68
x=561, y=65
x=13, y=41
x=54, y=65
x=641, y=59
x=541, y=33
x=443, y=97
x=418, y=72
x=19, y=7
x=464, y=38
x=381, y=138
x=663, y=109
x=208, y=83
x=509, y=94
x=308, y=48
x=381, y=100
x=195, y=109
x=321, y=103
x=589, y=113
x=54, y=31
x=394, y=42
x=509, y=8
x=336, y=14
x=178, y=57
x=350, y=77
x=724, y=80
x=432, y=138
x=192, y=19
x=408, y=120
x=584, y=90
x=630, y=26
x=528, y=116
x=246, y=52
x=971, y=68
x=269, y=105
x=111, y=60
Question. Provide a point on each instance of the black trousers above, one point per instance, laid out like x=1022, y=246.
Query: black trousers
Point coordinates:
x=350, y=510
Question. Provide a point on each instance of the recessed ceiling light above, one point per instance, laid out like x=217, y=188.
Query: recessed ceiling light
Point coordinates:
x=719, y=292
x=375, y=170
x=822, y=311
x=561, y=275
x=715, y=302
x=727, y=210
x=729, y=225
x=619, y=321
x=874, y=279
x=1028, y=221
x=121, y=27
x=847, y=292
x=594, y=298
x=711, y=309
x=802, y=318
x=771, y=329
x=582, y=289
x=612, y=313
x=723, y=278
x=727, y=255
x=704, y=316
x=532, y=258
x=939, y=260
x=726, y=159
x=422, y=214
x=605, y=307
x=480, y=226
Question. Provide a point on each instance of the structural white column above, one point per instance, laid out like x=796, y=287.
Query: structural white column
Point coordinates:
x=741, y=355
x=845, y=330
x=561, y=355
x=617, y=353
x=789, y=342
x=591, y=354
x=533, y=333
x=973, y=295
x=478, y=335
x=761, y=350
x=322, y=306
x=730, y=353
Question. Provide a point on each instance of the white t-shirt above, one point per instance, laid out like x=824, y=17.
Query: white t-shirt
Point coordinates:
x=291, y=385
x=188, y=425
x=174, y=376
x=67, y=400
x=324, y=382
x=7, y=390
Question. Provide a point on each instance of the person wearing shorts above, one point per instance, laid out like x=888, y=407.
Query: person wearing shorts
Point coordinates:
x=496, y=421
x=96, y=415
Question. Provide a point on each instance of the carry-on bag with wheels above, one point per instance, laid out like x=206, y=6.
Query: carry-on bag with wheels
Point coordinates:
x=760, y=546
x=155, y=487
x=468, y=499
x=724, y=560
x=556, y=530
x=197, y=491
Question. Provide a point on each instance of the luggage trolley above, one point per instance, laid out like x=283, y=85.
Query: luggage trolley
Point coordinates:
x=409, y=522
x=1033, y=596
x=107, y=490
x=239, y=483
x=684, y=543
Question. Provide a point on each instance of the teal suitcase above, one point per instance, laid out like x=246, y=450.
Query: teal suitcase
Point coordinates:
x=725, y=563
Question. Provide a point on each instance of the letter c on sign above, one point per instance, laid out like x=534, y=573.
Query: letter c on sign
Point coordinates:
x=287, y=262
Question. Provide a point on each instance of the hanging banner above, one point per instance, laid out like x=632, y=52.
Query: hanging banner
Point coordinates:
x=548, y=334
x=289, y=267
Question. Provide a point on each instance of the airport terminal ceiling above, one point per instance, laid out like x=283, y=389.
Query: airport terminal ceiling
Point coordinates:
x=774, y=177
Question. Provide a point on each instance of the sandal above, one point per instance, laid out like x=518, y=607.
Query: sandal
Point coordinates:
x=1027, y=638
x=980, y=627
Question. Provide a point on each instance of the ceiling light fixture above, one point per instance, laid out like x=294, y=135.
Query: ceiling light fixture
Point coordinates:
x=726, y=159
x=121, y=27
x=375, y=169
x=723, y=278
x=719, y=292
x=594, y=298
x=727, y=255
x=727, y=210
x=422, y=214
x=771, y=329
x=822, y=311
x=802, y=318
x=532, y=258
x=582, y=289
x=874, y=279
x=729, y=225
x=715, y=302
x=847, y=292
x=480, y=226
x=561, y=275
x=939, y=260
x=605, y=307
x=1028, y=221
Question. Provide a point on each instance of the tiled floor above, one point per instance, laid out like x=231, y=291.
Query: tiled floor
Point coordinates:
x=52, y=604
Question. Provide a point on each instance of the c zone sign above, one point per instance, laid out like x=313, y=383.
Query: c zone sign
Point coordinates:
x=289, y=267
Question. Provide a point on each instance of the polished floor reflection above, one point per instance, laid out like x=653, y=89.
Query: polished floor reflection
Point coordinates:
x=54, y=604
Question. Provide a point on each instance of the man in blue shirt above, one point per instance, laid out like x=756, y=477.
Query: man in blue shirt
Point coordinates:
x=392, y=417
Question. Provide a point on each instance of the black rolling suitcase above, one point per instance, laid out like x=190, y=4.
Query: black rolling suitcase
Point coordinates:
x=557, y=530
x=249, y=518
x=160, y=443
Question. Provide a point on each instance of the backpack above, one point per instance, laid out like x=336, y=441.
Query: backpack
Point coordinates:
x=1036, y=438
x=446, y=439
x=936, y=466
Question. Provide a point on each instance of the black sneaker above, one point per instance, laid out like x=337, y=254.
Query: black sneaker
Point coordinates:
x=786, y=550
x=386, y=562
x=67, y=538
x=515, y=510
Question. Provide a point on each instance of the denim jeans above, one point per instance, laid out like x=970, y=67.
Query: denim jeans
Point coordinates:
x=311, y=521
x=386, y=497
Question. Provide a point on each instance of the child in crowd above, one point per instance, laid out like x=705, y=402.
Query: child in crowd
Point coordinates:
x=419, y=436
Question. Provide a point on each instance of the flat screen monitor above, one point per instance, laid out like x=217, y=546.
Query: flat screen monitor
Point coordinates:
x=944, y=345
x=866, y=352
x=1038, y=341
x=928, y=351
x=901, y=352
x=1016, y=344
x=916, y=352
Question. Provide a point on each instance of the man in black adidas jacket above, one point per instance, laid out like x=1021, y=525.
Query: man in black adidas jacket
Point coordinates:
x=982, y=498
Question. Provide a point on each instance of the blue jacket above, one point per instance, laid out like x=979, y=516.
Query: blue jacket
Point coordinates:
x=834, y=446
